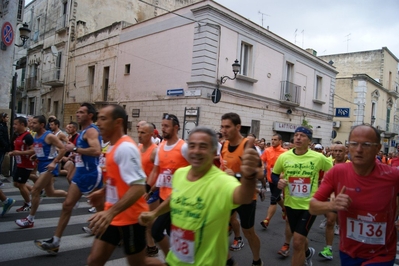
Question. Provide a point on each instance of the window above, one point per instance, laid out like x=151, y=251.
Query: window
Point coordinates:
x=127, y=69
x=290, y=71
x=20, y=12
x=37, y=30
x=319, y=88
x=56, y=108
x=373, y=112
x=31, y=106
x=48, y=105
x=58, y=65
x=92, y=70
x=105, y=84
x=246, y=59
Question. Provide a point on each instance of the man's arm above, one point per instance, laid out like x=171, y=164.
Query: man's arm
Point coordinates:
x=146, y=218
x=94, y=149
x=55, y=141
x=101, y=220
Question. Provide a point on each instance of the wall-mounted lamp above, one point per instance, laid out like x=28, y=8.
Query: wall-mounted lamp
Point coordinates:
x=24, y=33
x=318, y=127
x=236, y=68
x=289, y=111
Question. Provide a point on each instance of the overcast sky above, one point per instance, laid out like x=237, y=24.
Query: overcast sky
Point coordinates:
x=372, y=24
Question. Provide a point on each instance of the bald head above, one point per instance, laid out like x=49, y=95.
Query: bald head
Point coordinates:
x=145, y=131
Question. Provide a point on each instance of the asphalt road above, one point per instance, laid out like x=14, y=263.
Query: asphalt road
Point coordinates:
x=17, y=246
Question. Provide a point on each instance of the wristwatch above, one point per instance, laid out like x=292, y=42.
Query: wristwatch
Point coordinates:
x=75, y=149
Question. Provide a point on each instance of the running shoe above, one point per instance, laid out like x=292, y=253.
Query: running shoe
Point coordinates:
x=87, y=230
x=47, y=245
x=152, y=251
x=237, y=244
x=265, y=223
x=336, y=230
x=262, y=194
x=285, y=250
x=261, y=264
x=7, y=206
x=326, y=253
x=308, y=259
x=24, y=223
x=323, y=223
x=1, y=184
x=283, y=214
x=93, y=210
x=24, y=208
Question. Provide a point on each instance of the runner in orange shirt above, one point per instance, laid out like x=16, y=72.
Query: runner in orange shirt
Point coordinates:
x=124, y=201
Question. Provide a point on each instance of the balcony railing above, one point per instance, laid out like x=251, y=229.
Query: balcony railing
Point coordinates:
x=52, y=77
x=31, y=83
x=290, y=93
x=61, y=23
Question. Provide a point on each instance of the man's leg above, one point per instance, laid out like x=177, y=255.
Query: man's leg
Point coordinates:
x=247, y=217
x=73, y=196
x=300, y=246
x=158, y=227
x=43, y=181
x=100, y=252
x=70, y=168
x=152, y=250
x=23, y=189
x=330, y=226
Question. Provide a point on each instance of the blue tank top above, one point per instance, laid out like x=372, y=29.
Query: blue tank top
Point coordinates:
x=44, y=151
x=84, y=163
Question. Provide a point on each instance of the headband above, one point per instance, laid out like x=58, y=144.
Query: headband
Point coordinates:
x=304, y=130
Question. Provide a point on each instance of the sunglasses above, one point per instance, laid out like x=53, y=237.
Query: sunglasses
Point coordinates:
x=171, y=117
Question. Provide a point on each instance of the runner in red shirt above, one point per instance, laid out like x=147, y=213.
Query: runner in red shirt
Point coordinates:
x=365, y=200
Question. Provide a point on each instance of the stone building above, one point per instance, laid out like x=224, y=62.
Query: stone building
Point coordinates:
x=56, y=26
x=367, y=89
x=173, y=63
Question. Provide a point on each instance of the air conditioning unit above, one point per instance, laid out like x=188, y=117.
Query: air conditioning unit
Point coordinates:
x=336, y=124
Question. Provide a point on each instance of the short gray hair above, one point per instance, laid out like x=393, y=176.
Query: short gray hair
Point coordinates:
x=208, y=131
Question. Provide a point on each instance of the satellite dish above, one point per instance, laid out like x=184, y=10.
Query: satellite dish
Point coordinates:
x=54, y=50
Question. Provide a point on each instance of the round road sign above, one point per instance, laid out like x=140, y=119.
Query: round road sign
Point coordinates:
x=7, y=34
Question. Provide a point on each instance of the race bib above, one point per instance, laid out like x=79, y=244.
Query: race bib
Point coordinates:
x=182, y=243
x=366, y=227
x=38, y=148
x=299, y=186
x=111, y=193
x=165, y=178
x=18, y=159
x=78, y=160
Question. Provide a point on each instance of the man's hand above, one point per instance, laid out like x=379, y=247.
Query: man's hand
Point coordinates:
x=97, y=198
x=69, y=146
x=51, y=166
x=282, y=183
x=342, y=201
x=99, y=222
x=250, y=161
x=229, y=171
x=146, y=218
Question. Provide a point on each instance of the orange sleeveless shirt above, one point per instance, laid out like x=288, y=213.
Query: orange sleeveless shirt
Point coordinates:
x=232, y=160
x=169, y=162
x=146, y=159
x=118, y=187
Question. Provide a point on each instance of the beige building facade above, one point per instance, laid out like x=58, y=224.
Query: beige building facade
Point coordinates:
x=56, y=26
x=367, y=89
x=173, y=63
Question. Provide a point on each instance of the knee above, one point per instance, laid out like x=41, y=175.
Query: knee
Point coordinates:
x=249, y=233
x=67, y=206
x=330, y=221
x=16, y=184
x=298, y=243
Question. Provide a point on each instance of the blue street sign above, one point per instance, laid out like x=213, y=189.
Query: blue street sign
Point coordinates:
x=175, y=92
x=342, y=112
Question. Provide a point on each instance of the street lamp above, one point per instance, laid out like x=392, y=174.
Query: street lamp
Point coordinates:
x=372, y=120
x=236, y=68
x=24, y=33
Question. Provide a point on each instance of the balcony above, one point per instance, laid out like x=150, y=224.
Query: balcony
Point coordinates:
x=61, y=24
x=52, y=77
x=290, y=93
x=31, y=83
